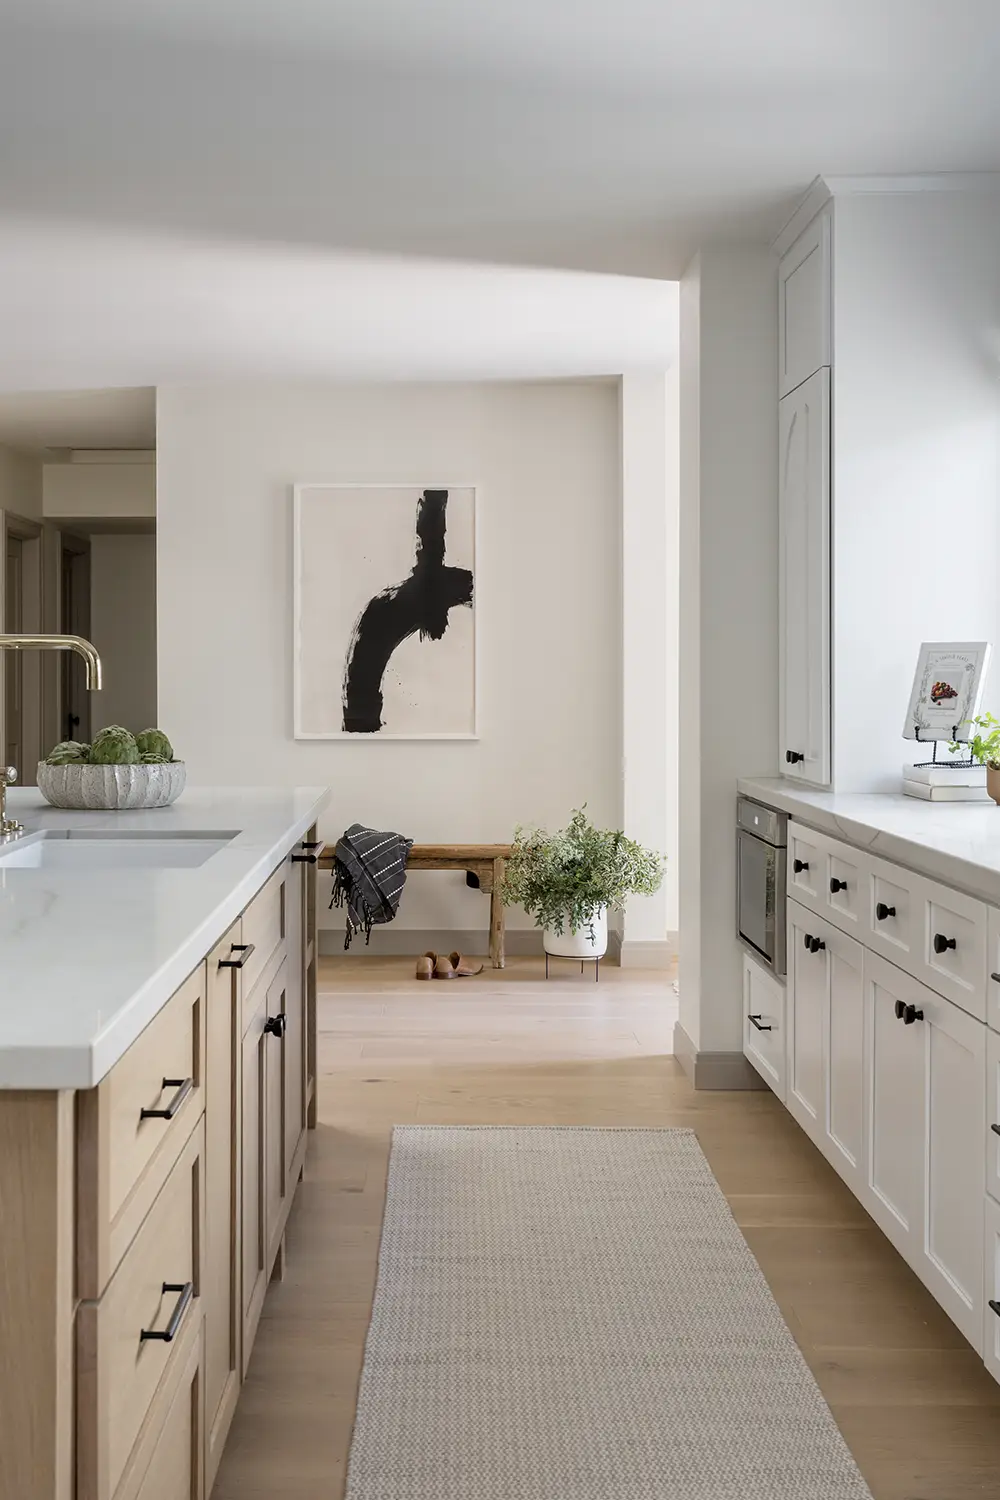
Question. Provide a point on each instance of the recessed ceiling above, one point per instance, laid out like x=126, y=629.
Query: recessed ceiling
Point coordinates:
x=612, y=135
x=98, y=308
x=35, y=421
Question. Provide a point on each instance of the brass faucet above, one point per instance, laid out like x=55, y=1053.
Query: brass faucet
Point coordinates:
x=9, y=827
x=59, y=643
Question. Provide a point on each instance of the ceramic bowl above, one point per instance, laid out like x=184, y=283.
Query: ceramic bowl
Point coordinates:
x=112, y=788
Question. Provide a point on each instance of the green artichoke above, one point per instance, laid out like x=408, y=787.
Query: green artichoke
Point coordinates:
x=114, y=746
x=151, y=758
x=154, y=747
x=68, y=753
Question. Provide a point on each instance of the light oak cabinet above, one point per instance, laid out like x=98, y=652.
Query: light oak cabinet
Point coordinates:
x=151, y=1212
x=804, y=666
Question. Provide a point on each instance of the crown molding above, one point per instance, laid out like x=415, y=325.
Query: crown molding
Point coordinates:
x=823, y=190
x=817, y=195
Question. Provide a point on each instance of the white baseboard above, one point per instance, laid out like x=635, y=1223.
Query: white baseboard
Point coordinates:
x=638, y=954
x=714, y=1070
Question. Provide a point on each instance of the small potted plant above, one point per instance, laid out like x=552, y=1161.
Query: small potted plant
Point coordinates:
x=984, y=749
x=119, y=771
x=568, y=880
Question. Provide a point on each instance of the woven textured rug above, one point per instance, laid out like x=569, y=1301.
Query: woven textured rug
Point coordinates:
x=573, y=1314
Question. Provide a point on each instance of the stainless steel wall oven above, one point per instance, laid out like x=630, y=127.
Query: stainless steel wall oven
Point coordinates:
x=761, y=840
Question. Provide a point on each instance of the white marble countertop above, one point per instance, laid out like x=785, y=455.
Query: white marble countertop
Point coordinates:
x=86, y=963
x=957, y=843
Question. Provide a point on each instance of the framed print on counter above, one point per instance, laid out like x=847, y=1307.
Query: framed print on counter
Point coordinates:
x=947, y=689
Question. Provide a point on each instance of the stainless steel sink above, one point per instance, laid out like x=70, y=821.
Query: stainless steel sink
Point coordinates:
x=85, y=849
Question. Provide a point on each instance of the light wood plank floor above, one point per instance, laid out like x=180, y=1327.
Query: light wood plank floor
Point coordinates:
x=914, y=1402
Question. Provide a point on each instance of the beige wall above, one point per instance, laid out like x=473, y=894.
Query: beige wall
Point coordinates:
x=122, y=489
x=123, y=628
x=20, y=484
x=546, y=458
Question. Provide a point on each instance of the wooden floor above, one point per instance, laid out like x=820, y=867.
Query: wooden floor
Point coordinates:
x=914, y=1402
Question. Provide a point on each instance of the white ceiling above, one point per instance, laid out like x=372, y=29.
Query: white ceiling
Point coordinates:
x=605, y=134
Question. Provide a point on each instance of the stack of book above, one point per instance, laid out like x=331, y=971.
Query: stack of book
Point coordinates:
x=944, y=783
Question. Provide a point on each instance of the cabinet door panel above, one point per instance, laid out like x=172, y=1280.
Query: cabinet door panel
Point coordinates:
x=275, y=1174
x=295, y=1062
x=804, y=305
x=896, y=1107
x=991, y=1310
x=991, y=1124
x=806, y=1003
x=954, y=1059
x=223, y=1322
x=845, y=1058
x=252, y=1219
x=804, y=581
x=764, y=1042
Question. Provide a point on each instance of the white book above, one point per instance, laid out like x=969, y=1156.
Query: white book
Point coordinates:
x=945, y=775
x=945, y=793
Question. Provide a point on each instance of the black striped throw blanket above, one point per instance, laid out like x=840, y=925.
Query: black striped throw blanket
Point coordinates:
x=369, y=872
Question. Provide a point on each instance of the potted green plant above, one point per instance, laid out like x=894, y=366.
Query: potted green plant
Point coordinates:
x=984, y=748
x=568, y=880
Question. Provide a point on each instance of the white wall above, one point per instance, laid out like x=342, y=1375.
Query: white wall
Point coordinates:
x=124, y=488
x=728, y=615
x=20, y=484
x=916, y=401
x=123, y=628
x=650, y=648
x=547, y=459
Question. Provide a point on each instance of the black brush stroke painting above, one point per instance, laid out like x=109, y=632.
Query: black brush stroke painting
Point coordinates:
x=418, y=605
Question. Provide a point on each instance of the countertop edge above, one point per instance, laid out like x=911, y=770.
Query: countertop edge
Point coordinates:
x=84, y=1067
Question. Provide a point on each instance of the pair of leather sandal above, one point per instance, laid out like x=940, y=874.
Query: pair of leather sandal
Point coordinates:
x=445, y=966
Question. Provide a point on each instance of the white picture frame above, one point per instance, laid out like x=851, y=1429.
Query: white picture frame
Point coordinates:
x=947, y=689
x=339, y=566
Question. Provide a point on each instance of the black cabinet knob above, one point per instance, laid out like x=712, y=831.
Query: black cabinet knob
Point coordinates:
x=798, y=865
x=900, y=1010
x=994, y=1307
x=837, y=885
x=275, y=1025
x=882, y=911
x=995, y=1129
x=793, y=757
x=816, y=944
x=911, y=1014
x=807, y=941
x=942, y=943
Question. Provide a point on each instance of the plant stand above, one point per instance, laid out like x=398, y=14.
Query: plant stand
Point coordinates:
x=583, y=961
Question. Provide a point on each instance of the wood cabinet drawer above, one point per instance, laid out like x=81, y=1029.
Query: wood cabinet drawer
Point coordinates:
x=167, y=1462
x=264, y=927
x=131, y=1128
x=764, y=1024
x=951, y=957
x=130, y=1341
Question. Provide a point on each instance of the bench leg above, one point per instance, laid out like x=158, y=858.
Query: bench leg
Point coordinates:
x=497, y=916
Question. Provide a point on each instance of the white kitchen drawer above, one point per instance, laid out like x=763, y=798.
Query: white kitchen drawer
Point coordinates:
x=991, y=1302
x=893, y=918
x=764, y=1024
x=846, y=887
x=951, y=956
x=993, y=968
x=993, y=1114
x=806, y=866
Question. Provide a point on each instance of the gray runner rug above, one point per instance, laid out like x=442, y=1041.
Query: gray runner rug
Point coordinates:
x=573, y=1314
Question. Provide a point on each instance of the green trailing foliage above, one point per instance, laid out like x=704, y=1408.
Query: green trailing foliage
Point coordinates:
x=984, y=747
x=69, y=753
x=566, y=878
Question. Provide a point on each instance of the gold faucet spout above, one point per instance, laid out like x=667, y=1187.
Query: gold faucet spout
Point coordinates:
x=59, y=643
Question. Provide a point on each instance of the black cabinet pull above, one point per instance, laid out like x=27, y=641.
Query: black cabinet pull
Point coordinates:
x=911, y=1014
x=304, y=859
x=942, y=943
x=807, y=941
x=275, y=1025
x=183, y=1087
x=311, y=844
x=837, y=885
x=793, y=757
x=798, y=865
x=186, y=1290
x=900, y=1009
x=244, y=951
x=995, y=1129
x=882, y=911
x=755, y=1021
x=994, y=1307
x=816, y=945
x=995, y=978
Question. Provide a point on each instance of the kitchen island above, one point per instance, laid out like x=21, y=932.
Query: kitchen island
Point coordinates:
x=157, y=1074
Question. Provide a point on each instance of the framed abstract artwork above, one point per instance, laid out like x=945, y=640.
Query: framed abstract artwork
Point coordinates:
x=385, y=634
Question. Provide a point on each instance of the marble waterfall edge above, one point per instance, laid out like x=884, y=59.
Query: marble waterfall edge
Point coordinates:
x=112, y=788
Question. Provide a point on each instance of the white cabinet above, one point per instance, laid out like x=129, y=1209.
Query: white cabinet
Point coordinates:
x=993, y=969
x=925, y=1119
x=804, y=306
x=764, y=1024
x=826, y=1039
x=804, y=580
x=991, y=1132
x=991, y=1308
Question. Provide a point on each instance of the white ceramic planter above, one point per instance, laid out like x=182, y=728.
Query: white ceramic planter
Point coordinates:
x=112, y=788
x=579, y=944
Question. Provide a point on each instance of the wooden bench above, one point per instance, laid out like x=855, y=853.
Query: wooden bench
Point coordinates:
x=483, y=862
